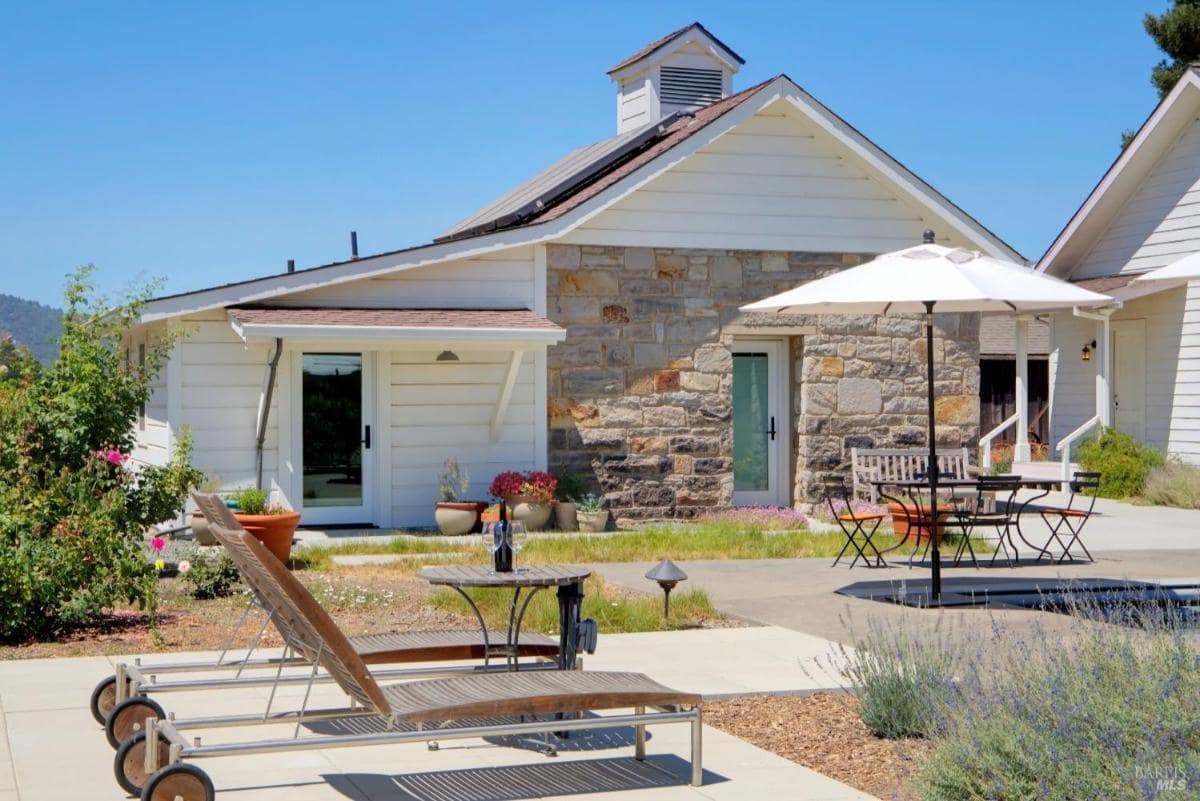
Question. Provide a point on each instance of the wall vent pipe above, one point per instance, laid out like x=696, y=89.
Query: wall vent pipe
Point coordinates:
x=354, y=244
x=291, y=265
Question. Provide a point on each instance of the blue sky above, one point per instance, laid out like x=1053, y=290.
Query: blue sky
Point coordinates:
x=210, y=142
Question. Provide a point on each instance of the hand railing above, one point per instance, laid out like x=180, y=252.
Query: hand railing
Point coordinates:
x=985, y=441
x=1064, y=445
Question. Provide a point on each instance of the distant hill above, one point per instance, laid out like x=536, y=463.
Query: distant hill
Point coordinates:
x=32, y=324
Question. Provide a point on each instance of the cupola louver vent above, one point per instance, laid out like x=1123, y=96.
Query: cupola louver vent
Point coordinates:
x=688, y=86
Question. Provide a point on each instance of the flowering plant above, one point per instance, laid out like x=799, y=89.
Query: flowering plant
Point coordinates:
x=536, y=485
x=453, y=481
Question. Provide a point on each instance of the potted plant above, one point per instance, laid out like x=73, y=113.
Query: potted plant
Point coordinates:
x=529, y=496
x=271, y=524
x=453, y=515
x=591, y=513
x=568, y=492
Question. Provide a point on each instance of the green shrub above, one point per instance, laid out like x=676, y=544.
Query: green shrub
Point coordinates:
x=210, y=572
x=250, y=500
x=1106, y=712
x=73, y=510
x=1122, y=461
x=570, y=488
x=1173, y=484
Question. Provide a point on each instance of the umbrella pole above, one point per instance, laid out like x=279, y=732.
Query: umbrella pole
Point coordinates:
x=935, y=588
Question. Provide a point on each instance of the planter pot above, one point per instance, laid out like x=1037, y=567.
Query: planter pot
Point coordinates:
x=273, y=531
x=903, y=526
x=200, y=529
x=532, y=513
x=564, y=516
x=592, y=521
x=455, y=518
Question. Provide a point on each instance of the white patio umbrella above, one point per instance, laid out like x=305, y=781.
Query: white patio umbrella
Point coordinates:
x=1177, y=272
x=917, y=279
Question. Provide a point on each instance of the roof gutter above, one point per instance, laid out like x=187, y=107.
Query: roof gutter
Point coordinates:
x=573, y=182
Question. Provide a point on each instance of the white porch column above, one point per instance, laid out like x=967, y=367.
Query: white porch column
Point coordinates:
x=1104, y=371
x=1021, y=451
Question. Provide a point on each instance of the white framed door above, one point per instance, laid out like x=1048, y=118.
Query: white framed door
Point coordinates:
x=761, y=441
x=1129, y=377
x=333, y=435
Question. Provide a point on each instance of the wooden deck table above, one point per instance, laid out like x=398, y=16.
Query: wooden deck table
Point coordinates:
x=568, y=579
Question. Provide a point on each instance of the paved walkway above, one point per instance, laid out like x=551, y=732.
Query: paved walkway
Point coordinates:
x=51, y=749
x=1120, y=526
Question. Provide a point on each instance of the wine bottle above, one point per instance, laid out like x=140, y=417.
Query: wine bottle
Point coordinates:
x=503, y=557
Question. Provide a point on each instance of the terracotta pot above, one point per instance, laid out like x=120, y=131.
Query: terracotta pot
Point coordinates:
x=564, y=516
x=531, y=512
x=902, y=524
x=592, y=521
x=455, y=518
x=200, y=529
x=273, y=531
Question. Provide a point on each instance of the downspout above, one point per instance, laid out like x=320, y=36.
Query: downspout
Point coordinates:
x=265, y=412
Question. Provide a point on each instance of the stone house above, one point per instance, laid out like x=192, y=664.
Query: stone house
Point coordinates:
x=588, y=322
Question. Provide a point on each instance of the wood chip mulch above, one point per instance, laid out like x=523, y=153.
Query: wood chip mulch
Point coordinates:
x=823, y=732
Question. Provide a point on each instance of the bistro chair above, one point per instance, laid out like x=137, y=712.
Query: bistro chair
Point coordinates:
x=1071, y=517
x=919, y=521
x=854, y=525
x=984, y=512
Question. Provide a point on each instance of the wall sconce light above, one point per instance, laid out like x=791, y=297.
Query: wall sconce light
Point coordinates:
x=1087, y=350
x=447, y=356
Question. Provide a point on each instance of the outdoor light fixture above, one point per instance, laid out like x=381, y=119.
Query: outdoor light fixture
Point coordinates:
x=1087, y=350
x=667, y=574
x=447, y=356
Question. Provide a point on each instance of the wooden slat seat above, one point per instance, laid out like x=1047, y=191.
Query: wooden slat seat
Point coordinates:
x=438, y=646
x=375, y=649
x=851, y=517
x=1065, y=512
x=527, y=693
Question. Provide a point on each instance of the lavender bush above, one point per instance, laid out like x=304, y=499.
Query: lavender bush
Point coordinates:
x=766, y=518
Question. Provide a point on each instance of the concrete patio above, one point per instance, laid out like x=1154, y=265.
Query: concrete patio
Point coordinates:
x=44, y=717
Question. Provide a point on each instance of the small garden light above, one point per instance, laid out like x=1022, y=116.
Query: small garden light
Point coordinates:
x=667, y=574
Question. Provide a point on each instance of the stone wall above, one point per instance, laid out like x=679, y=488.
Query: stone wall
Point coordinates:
x=639, y=393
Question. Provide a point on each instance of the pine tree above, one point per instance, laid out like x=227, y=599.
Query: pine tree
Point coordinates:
x=1177, y=33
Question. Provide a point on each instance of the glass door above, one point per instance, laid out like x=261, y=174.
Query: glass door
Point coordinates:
x=759, y=425
x=335, y=438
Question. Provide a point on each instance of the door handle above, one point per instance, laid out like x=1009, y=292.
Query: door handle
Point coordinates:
x=367, y=440
x=772, y=431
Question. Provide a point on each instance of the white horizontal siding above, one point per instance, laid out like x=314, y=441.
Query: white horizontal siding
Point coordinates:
x=1172, y=361
x=1160, y=223
x=222, y=380
x=775, y=182
x=1184, y=434
x=443, y=410
x=152, y=439
x=504, y=279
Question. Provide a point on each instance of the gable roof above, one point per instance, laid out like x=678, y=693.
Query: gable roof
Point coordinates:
x=662, y=42
x=573, y=179
x=597, y=185
x=1124, y=176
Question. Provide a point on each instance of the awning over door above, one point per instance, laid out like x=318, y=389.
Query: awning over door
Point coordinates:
x=481, y=328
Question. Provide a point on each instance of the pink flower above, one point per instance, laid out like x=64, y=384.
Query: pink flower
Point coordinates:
x=158, y=543
x=184, y=567
x=114, y=456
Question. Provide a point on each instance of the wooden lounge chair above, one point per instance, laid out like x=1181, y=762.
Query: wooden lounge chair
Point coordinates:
x=120, y=703
x=152, y=761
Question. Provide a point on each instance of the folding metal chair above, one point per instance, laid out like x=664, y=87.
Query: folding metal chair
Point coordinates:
x=853, y=524
x=991, y=492
x=1070, y=517
x=919, y=517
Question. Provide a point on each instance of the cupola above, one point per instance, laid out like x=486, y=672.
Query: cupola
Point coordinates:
x=683, y=71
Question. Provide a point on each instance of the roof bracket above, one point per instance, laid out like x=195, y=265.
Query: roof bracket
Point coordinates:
x=510, y=379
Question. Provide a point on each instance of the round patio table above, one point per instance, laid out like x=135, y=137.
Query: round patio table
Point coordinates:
x=568, y=579
x=1045, y=485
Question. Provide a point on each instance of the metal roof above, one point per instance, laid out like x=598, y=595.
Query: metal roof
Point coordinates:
x=564, y=174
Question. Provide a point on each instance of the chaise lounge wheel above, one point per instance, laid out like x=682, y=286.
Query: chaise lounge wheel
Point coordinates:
x=129, y=717
x=104, y=698
x=129, y=765
x=179, y=782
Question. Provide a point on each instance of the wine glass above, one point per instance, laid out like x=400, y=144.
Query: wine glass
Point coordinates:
x=519, y=537
x=490, y=543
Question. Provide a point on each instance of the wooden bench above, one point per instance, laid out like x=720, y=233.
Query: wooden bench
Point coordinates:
x=900, y=464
